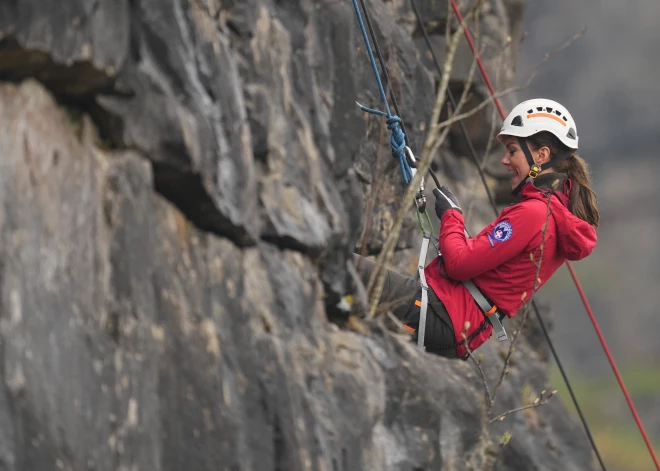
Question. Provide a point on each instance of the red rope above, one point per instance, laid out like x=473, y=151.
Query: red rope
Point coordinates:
x=587, y=306
x=611, y=359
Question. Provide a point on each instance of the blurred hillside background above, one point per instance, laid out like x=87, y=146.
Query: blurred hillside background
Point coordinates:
x=609, y=81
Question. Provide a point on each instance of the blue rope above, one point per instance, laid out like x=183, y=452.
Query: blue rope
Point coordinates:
x=398, y=139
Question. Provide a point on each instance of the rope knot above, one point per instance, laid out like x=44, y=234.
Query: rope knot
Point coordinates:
x=398, y=140
x=398, y=146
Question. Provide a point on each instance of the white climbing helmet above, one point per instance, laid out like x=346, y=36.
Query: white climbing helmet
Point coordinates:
x=541, y=114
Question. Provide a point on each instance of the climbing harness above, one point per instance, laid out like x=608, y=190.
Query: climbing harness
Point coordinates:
x=577, y=284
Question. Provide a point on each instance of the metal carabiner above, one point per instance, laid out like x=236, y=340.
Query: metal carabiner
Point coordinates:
x=420, y=197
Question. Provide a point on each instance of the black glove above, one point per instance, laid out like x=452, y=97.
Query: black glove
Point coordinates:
x=444, y=200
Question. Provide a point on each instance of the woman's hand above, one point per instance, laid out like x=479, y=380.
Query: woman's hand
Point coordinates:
x=444, y=200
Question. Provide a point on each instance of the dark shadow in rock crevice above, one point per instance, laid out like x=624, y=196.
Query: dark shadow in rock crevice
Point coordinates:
x=78, y=80
x=186, y=191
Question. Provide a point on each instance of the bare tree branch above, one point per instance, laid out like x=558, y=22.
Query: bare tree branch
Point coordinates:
x=527, y=301
x=397, y=322
x=473, y=66
x=368, y=224
x=537, y=403
x=376, y=283
x=488, y=395
x=433, y=142
x=513, y=89
x=362, y=298
x=491, y=135
x=376, y=176
x=549, y=55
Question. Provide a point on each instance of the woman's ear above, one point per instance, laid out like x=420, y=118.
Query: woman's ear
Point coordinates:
x=543, y=155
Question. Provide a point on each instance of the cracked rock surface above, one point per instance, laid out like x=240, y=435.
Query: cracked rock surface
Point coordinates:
x=181, y=185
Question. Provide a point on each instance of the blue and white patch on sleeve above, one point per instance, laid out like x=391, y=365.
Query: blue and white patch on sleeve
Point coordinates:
x=502, y=231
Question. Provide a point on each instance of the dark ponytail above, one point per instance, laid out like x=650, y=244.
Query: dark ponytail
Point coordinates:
x=583, y=201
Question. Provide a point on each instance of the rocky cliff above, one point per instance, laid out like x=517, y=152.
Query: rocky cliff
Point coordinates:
x=181, y=186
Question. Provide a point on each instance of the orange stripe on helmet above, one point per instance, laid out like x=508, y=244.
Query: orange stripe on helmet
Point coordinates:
x=547, y=115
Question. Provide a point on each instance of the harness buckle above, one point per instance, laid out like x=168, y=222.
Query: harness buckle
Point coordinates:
x=490, y=312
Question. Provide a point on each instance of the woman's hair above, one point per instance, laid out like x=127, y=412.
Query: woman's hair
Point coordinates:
x=583, y=201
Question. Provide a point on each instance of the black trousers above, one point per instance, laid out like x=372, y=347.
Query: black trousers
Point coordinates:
x=399, y=295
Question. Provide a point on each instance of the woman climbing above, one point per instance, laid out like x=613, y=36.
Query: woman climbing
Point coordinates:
x=516, y=254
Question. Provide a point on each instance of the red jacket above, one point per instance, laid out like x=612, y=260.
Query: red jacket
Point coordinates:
x=498, y=258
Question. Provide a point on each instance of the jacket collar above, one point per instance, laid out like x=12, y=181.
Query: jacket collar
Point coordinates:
x=546, y=181
x=555, y=182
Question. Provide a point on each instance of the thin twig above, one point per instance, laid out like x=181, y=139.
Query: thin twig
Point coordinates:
x=473, y=66
x=513, y=89
x=433, y=142
x=518, y=409
x=384, y=307
x=368, y=224
x=396, y=321
x=377, y=280
x=376, y=177
x=449, y=17
x=537, y=283
x=491, y=136
x=462, y=100
x=489, y=396
x=549, y=55
x=362, y=297
x=530, y=78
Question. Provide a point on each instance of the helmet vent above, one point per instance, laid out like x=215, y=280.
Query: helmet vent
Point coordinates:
x=558, y=113
x=539, y=108
x=530, y=111
x=565, y=118
x=517, y=121
x=548, y=109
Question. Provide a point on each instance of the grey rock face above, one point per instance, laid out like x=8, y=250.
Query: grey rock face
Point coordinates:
x=181, y=185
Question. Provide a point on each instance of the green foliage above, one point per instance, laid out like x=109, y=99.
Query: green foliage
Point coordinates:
x=602, y=402
x=624, y=449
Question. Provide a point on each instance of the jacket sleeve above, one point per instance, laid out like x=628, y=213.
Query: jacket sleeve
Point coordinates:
x=507, y=237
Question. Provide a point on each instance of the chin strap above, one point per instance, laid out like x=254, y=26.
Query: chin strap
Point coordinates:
x=534, y=168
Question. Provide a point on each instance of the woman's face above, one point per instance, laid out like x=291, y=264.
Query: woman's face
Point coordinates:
x=514, y=159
